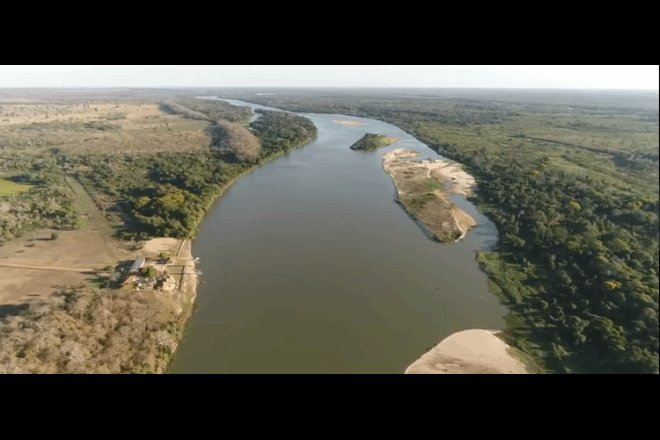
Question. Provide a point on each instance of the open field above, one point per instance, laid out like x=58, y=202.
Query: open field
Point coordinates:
x=18, y=286
x=65, y=261
x=99, y=128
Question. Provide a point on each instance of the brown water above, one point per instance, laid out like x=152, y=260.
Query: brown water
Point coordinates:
x=309, y=266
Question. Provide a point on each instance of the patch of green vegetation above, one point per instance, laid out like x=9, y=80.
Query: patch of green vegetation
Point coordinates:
x=372, y=141
x=433, y=185
x=11, y=187
x=417, y=202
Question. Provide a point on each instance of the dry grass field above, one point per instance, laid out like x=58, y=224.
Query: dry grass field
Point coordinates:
x=35, y=265
x=98, y=127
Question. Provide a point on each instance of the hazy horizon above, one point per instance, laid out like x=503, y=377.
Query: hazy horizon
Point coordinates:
x=327, y=87
x=610, y=78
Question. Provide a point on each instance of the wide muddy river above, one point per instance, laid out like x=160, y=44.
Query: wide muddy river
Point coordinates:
x=309, y=266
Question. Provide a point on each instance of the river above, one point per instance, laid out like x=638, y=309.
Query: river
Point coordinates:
x=309, y=266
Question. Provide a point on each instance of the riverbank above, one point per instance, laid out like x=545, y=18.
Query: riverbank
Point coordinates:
x=191, y=281
x=423, y=189
x=473, y=351
x=187, y=294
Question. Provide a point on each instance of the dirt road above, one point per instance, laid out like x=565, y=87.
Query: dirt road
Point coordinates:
x=55, y=268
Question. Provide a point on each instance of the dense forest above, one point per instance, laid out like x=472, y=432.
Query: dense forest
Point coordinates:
x=282, y=131
x=162, y=195
x=574, y=194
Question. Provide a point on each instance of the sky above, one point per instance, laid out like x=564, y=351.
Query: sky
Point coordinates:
x=565, y=77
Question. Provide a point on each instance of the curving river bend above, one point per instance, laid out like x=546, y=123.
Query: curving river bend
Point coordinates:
x=309, y=266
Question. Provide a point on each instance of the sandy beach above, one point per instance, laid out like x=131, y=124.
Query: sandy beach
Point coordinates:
x=348, y=123
x=473, y=351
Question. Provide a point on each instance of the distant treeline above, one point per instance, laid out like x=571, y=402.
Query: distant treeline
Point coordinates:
x=450, y=111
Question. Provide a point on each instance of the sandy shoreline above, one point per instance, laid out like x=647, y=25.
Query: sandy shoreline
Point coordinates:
x=420, y=189
x=473, y=351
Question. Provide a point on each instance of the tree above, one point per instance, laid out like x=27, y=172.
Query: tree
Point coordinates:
x=150, y=272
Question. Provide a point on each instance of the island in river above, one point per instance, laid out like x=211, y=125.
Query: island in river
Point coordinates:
x=372, y=142
x=421, y=191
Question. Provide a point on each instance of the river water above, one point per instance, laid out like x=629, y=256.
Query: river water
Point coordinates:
x=309, y=266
